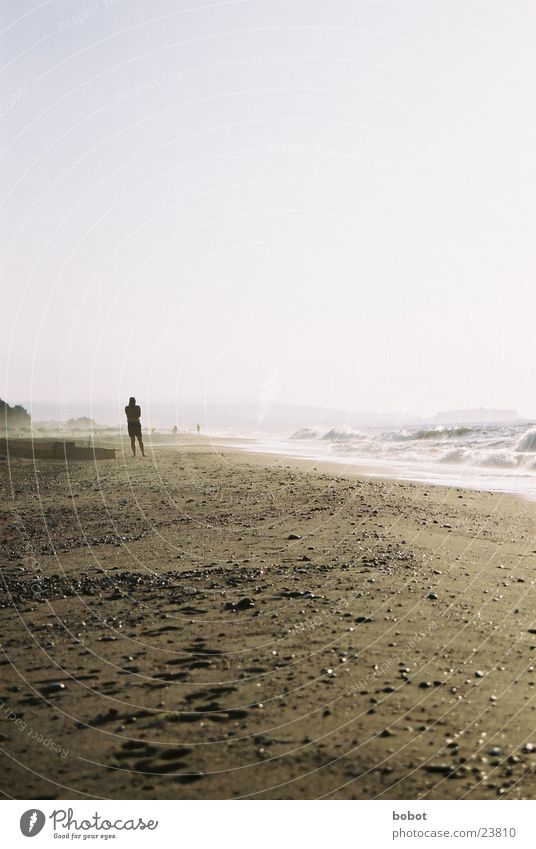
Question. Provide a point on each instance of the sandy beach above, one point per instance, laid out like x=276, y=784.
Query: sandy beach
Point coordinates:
x=208, y=623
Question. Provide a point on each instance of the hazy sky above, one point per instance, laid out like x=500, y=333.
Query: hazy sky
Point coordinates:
x=327, y=203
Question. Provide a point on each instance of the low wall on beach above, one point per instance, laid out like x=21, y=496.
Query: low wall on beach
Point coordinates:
x=53, y=450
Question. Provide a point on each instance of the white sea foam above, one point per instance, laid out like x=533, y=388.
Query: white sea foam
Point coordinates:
x=458, y=455
x=528, y=442
x=342, y=433
x=307, y=433
x=498, y=457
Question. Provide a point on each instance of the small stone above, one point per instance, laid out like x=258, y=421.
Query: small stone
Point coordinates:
x=54, y=687
x=294, y=536
x=442, y=769
x=243, y=604
x=433, y=596
x=529, y=748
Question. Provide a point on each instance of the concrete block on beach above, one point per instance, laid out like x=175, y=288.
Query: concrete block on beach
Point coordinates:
x=53, y=450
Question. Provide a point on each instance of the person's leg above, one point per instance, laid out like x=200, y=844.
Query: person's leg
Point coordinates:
x=132, y=442
x=140, y=440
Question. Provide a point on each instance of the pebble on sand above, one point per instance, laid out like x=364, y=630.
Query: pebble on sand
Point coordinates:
x=54, y=687
x=243, y=604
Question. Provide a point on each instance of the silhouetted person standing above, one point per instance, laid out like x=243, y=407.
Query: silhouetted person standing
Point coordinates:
x=133, y=414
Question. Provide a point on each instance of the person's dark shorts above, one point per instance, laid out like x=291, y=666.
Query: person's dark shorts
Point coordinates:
x=134, y=429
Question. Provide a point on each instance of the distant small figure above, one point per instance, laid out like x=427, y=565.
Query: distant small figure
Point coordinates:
x=133, y=414
x=174, y=429
x=198, y=430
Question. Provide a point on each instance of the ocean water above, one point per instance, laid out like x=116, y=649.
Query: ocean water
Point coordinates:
x=496, y=458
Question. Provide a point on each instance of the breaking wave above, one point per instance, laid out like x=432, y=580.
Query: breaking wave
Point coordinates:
x=443, y=433
x=307, y=433
x=528, y=442
x=341, y=434
x=500, y=447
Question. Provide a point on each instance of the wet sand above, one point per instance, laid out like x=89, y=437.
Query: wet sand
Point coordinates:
x=207, y=623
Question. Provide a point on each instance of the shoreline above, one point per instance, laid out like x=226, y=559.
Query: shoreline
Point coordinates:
x=463, y=476
x=361, y=468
